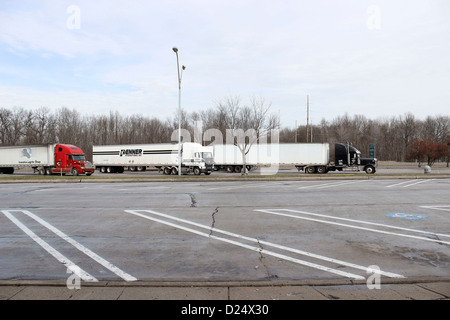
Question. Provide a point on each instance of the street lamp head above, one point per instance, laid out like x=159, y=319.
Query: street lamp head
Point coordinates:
x=175, y=49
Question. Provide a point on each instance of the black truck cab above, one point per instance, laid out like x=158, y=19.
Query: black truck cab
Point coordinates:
x=348, y=156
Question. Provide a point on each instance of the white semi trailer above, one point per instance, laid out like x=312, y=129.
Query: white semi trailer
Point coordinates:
x=308, y=157
x=164, y=156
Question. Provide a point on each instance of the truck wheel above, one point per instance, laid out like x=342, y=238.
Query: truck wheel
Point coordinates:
x=48, y=171
x=167, y=170
x=74, y=172
x=310, y=169
x=237, y=169
x=369, y=169
x=174, y=171
x=321, y=169
x=229, y=169
x=197, y=171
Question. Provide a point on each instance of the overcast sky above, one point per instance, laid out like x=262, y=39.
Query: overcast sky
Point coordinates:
x=377, y=58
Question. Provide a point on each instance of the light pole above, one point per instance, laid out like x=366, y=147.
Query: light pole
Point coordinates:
x=180, y=75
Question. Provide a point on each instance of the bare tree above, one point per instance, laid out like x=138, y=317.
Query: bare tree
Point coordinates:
x=246, y=125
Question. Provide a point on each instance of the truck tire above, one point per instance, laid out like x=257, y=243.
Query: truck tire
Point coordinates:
x=229, y=169
x=369, y=169
x=167, y=170
x=48, y=171
x=174, y=171
x=197, y=171
x=322, y=169
x=237, y=169
x=74, y=172
x=310, y=169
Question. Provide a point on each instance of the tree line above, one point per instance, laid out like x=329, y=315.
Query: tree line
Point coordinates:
x=396, y=138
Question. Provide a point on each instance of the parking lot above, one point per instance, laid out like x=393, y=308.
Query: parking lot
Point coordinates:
x=226, y=231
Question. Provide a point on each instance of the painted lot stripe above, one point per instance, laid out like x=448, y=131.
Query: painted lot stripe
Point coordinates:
x=259, y=242
x=252, y=185
x=80, y=247
x=409, y=183
x=83, y=275
x=329, y=185
x=400, y=183
x=274, y=211
x=442, y=208
x=420, y=181
x=266, y=243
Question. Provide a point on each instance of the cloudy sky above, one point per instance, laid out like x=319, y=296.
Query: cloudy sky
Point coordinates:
x=377, y=58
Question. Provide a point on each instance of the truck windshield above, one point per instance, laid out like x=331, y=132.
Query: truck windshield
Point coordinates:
x=206, y=155
x=79, y=157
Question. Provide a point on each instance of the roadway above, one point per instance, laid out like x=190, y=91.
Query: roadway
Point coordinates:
x=249, y=235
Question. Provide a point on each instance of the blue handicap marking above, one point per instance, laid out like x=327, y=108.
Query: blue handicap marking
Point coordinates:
x=409, y=216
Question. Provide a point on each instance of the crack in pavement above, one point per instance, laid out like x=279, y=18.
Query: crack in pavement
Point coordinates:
x=213, y=220
x=261, y=257
x=193, y=200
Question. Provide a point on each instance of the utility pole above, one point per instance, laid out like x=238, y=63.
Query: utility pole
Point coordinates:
x=180, y=75
x=296, y=129
x=307, y=118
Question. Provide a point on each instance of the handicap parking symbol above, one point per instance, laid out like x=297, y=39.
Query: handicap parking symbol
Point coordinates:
x=409, y=216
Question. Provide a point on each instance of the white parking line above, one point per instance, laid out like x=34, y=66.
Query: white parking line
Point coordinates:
x=329, y=185
x=83, y=275
x=76, y=244
x=274, y=211
x=420, y=181
x=400, y=183
x=409, y=183
x=259, y=242
x=442, y=208
x=241, y=186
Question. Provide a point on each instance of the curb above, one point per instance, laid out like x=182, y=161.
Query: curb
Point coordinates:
x=349, y=176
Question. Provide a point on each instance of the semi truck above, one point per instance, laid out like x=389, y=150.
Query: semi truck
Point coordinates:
x=307, y=157
x=45, y=159
x=195, y=158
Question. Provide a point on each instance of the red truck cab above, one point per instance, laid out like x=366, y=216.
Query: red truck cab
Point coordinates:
x=71, y=159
